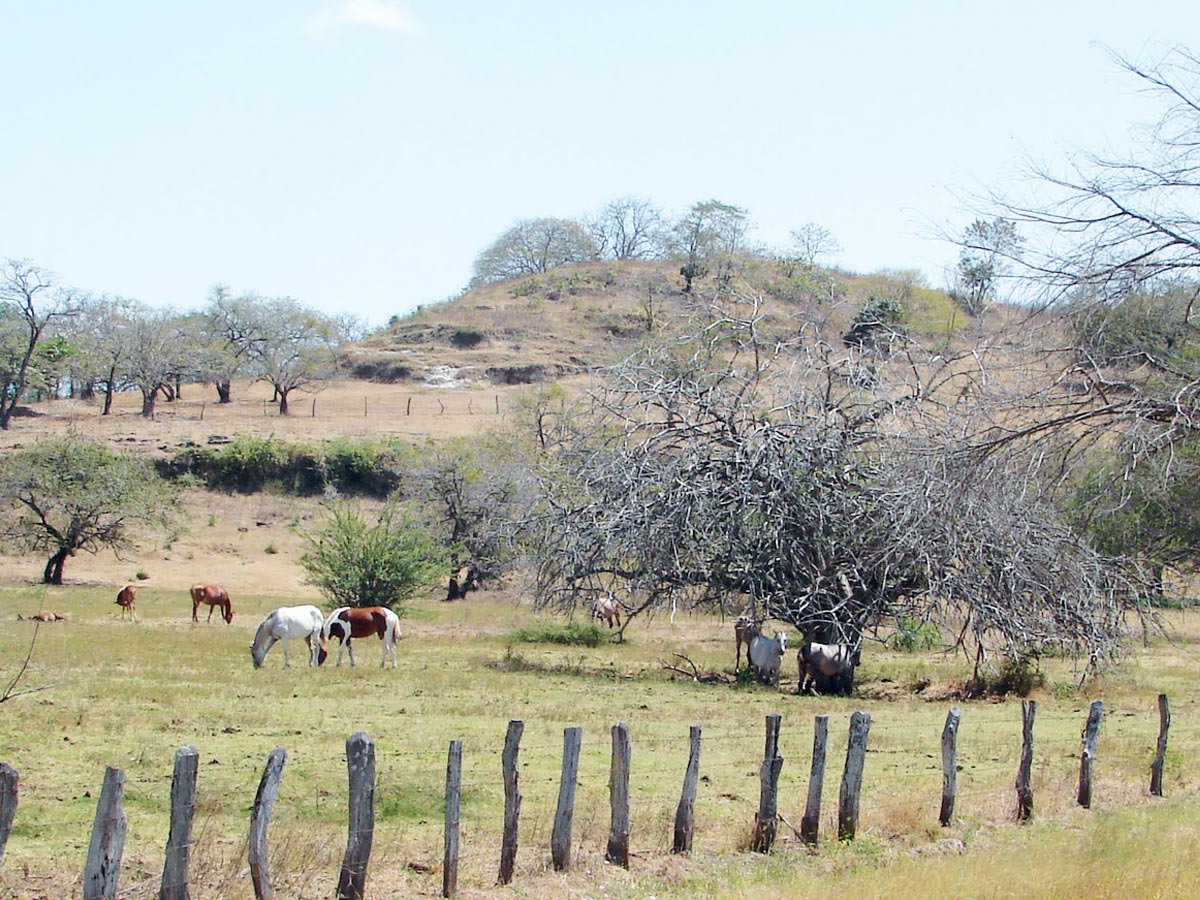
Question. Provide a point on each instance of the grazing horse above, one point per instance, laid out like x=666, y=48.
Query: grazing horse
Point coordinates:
x=216, y=597
x=608, y=610
x=348, y=622
x=766, y=655
x=127, y=600
x=827, y=668
x=284, y=623
x=745, y=629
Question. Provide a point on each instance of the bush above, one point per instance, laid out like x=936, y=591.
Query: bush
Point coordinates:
x=581, y=634
x=1019, y=676
x=913, y=635
x=249, y=464
x=355, y=562
x=466, y=338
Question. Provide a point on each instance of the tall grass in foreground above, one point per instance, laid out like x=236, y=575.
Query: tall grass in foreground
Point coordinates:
x=1139, y=853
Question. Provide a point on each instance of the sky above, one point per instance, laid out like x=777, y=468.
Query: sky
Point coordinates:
x=358, y=155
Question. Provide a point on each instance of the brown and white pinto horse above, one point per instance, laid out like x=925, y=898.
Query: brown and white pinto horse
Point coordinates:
x=127, y=600
x=216, y=597
x=348, y=622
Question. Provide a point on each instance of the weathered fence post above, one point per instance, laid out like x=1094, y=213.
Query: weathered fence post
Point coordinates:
x=174, y=884
x=260, y=818
x=360, y=769
x=618, y=795
x=685, y=813
x=856, y=755
x=1087, y=759
x=949, y=765
x=768, y=800
x=1160, y=752
x=560, y=837
x=811, y=823
x=512, y=800
x=10, y=782
x=453, y=801
x=108, y=840
x=1024, y=786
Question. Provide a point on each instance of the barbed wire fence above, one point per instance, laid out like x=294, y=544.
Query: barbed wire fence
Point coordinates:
x=894, y=774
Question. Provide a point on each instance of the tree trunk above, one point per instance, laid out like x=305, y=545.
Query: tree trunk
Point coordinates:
x=283, y=402
x=149, y=399
x=224, y=392
x=108, y=390
x=53, y=573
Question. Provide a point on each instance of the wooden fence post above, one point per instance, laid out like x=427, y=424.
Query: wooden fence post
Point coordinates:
x=949, y=765
x=617, y=851
x=10, y=783
x=1087, y=759
x=560, y=837
x=1160, y=753
x=811, y=823
x=856, y=755
x=174, y=884
x=685, y=813
x=108, y=840
x=260, y=818
x=768, y=799
x=360, y=769
x=512, y=800
x=1024, y=786
x=453, y=802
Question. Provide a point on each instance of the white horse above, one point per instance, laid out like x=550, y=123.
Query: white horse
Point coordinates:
x=284, y=623
x=766, y=655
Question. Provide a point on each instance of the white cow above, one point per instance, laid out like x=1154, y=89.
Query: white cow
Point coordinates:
x=766, y=655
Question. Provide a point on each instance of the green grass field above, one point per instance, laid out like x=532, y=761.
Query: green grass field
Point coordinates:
x=128, y=695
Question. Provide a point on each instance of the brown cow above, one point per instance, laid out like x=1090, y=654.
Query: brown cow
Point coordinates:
x=216, y=597
x=127, y=600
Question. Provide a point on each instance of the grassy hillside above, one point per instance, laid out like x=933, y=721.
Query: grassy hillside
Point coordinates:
x=574, y=319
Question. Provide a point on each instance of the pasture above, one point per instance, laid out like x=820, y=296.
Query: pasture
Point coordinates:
x=127, y=695
x=124, y=694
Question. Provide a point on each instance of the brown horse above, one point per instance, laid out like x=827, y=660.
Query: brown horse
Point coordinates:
x=348, y=622
x=216, y=597
x=127, y=600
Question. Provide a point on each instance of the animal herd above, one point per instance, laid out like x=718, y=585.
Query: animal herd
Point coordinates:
x=308, y=624
x=822, y=668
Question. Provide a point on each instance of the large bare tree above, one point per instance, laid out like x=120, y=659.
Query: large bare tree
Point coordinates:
x=720, y=470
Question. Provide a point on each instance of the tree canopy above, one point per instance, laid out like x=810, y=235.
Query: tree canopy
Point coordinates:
x=68, y=495
x=718, y=472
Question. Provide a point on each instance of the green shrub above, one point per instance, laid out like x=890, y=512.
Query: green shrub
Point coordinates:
x=466, y=338
x=356, y=562
x=582, y=634
x=249, y=464
x=913, y=635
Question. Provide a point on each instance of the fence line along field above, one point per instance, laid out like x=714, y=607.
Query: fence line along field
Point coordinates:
x=105, y=691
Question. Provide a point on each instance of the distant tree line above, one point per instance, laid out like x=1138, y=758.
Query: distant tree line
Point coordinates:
x=56, y=341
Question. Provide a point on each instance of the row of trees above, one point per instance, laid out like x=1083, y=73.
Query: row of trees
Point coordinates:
x=54, y=341
x=706, y=239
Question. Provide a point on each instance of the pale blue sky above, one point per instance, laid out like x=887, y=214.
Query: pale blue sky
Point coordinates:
x=358, y=154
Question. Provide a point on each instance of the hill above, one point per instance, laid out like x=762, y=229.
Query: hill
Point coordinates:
x=575, y=319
